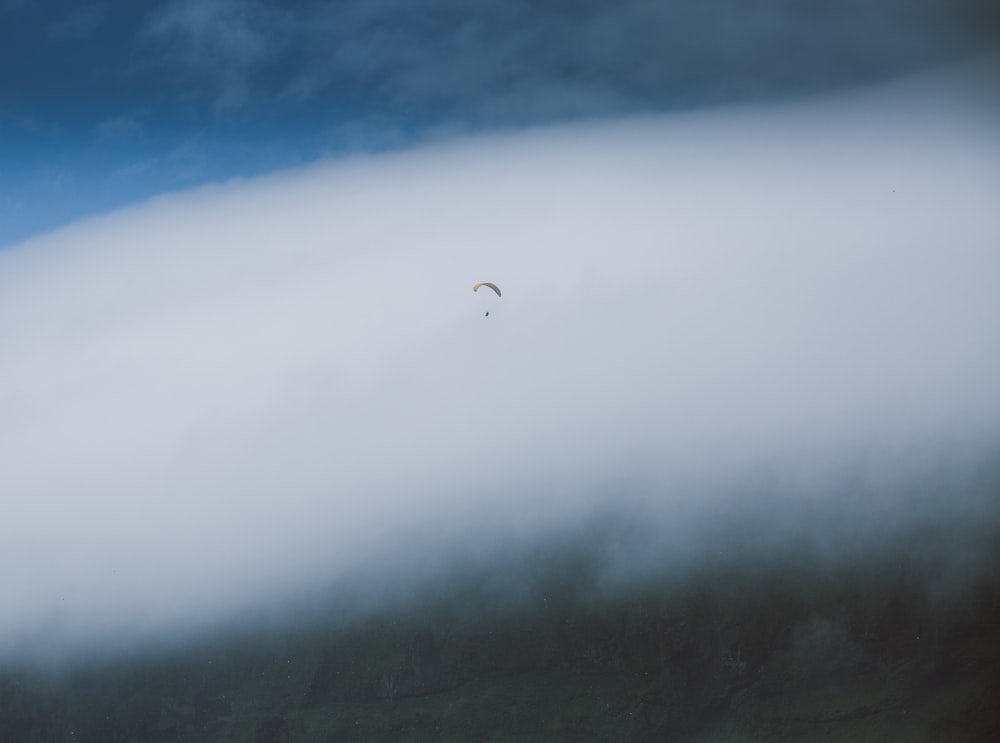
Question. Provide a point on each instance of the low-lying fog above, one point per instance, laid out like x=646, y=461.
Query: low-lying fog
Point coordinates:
x=225, y=399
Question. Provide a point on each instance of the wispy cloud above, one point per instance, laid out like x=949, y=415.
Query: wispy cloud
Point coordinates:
x=21, y=122
x=54, y=180
x=117, y=128
x=225, y=43
x=81, y=22
x=135, y=168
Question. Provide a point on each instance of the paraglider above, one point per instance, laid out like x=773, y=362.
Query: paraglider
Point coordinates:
x=491, y=285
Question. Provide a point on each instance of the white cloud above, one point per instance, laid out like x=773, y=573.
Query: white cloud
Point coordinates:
x=225, y=397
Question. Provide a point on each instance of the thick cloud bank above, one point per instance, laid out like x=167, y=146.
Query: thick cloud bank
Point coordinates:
x=224, y=398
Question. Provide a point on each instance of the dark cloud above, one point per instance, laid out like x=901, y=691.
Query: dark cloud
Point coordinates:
x=464, y=58
x=520, y=61
x=312, y=77
x=225, y=45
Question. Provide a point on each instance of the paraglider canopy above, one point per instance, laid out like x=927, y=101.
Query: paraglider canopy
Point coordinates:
x=494, y=287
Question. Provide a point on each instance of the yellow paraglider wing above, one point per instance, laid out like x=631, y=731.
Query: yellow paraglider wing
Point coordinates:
x=494, y=287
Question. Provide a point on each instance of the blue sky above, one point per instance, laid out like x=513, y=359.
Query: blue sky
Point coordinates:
x=107, y=103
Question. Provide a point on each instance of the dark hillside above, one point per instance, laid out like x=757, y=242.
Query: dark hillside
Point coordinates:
x=793, y=647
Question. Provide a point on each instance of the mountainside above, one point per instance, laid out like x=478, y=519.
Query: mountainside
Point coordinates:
x=790, y=647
